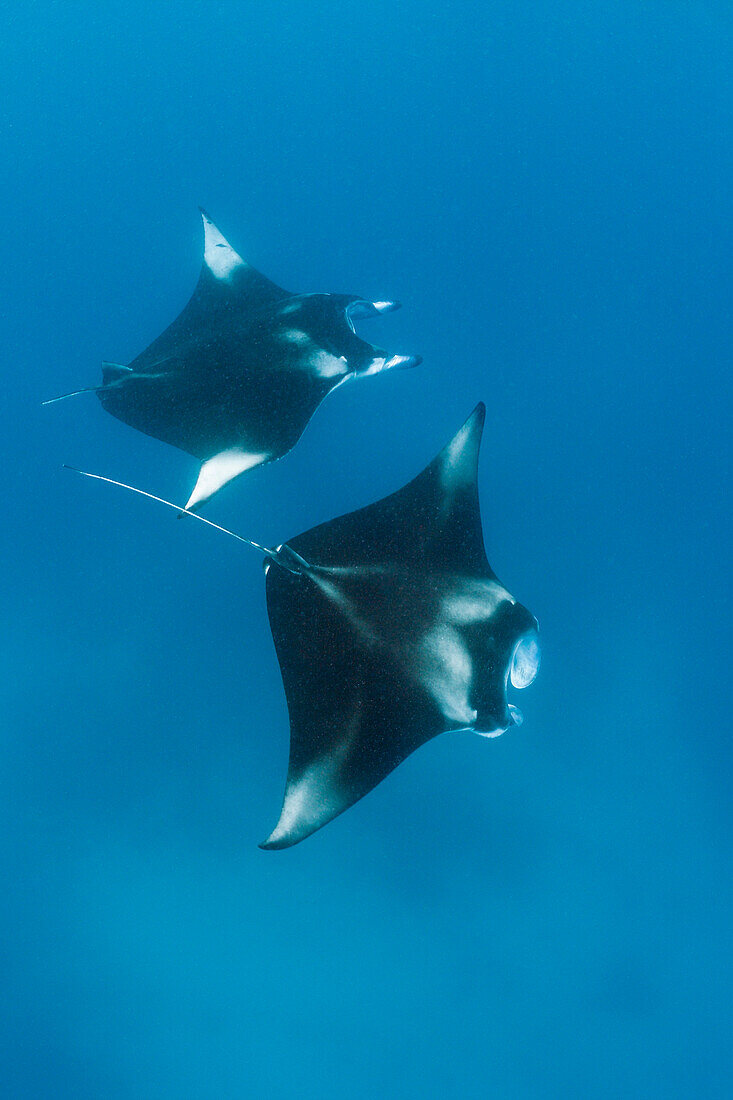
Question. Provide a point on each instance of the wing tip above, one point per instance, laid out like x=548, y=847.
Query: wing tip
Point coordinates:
x=468, y=436
x=294, y=825
x=312, y=800
x=469, y=432
x=275, y=843
x=283, y=837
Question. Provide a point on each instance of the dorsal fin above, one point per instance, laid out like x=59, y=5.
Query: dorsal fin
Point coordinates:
x=114, y=372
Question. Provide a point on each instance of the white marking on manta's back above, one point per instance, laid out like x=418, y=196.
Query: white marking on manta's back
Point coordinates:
x=219, y=256
x=222, y=468
x=296, y=336
x=473, y=601
x=321, y=362
x=445, y=669
x=326, y=365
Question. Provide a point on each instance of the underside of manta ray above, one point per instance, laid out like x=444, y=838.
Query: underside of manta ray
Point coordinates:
x=390, y=629
x=236, y=377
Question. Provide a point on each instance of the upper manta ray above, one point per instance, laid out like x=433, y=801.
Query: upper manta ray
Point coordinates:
x=240, y=372
x=390, y=628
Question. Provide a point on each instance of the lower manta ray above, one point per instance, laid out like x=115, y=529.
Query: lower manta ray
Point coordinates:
x=390, y=628
x=240, y=372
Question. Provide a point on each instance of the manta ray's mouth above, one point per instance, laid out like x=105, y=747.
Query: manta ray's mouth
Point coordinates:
x=360, y=310
x=521, y=670
x=525, y=662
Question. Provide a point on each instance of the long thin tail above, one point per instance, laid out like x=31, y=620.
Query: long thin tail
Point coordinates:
x=178, y=508
x=74, y=393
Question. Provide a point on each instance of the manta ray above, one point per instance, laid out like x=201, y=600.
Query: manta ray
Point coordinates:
x=390, y=628
x=235, y=379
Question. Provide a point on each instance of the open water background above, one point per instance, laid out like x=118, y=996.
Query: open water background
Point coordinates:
x=546, y=187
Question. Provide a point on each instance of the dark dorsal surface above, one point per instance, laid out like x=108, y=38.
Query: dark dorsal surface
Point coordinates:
x=398, y=631
x=236, y=377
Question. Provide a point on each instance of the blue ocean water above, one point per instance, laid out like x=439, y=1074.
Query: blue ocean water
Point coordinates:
x=546, y=187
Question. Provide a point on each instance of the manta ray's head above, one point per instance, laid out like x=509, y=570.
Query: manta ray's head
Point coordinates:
x=320, y=329
x=513, y=660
